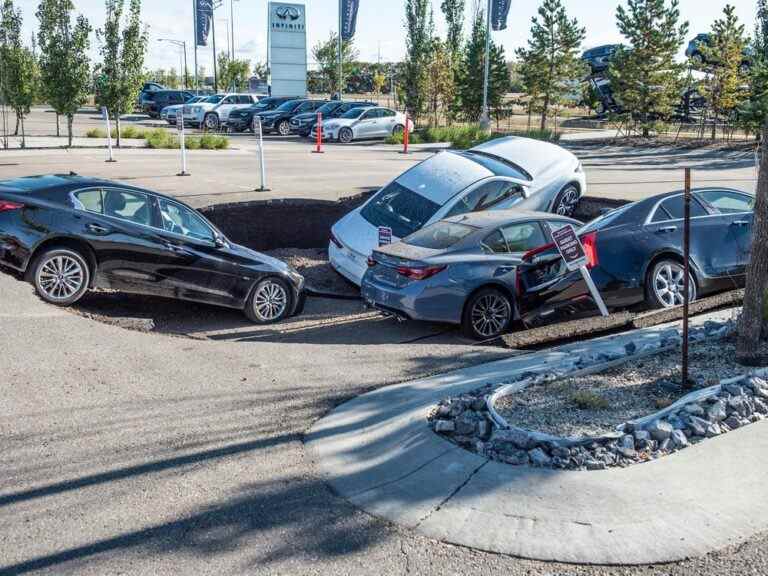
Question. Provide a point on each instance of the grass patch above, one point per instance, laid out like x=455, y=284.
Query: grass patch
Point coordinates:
x=160, y=138
x=585, y=400
x=96, y=133
x=464, y=137
x=214, y=142
x=129, y=132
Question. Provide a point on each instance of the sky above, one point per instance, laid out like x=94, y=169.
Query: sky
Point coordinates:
x=380, y=32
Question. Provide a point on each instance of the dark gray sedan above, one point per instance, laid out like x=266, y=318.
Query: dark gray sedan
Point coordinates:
x=461, y=270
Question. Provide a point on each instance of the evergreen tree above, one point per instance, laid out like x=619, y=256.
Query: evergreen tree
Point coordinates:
x=724, y=87
x=552, y=57
x=122, y=53
x=326, y=53
x=752, y=113
x=64, y=63
x=418, y=42
x=472, y=73
x=19, y=73
x=453, y=11
x=645, y=78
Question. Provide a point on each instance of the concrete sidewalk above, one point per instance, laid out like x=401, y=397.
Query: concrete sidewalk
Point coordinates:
x=378, y=452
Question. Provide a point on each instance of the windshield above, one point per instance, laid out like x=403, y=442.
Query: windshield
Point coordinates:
x=440, y=235
x=328, y=107
x=398, y=208
x=605, y=220
x=289, y=106
x=214, y=99
x=306, y=107
x=354, y=113
x=195, y=99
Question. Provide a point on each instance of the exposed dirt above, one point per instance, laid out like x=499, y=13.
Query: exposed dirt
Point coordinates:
x=313, y=264
x=631, y=391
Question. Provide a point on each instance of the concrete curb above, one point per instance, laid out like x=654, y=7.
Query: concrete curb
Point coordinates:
x=378, y=452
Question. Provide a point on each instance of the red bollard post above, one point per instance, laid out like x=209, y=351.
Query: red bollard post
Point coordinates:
x=406, y=134
x=319, y=133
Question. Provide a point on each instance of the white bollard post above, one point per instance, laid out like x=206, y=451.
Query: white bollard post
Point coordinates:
x=257, y=121
x=105, y=115
x=182, y=142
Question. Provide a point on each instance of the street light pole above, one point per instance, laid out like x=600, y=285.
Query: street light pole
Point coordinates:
x=485, y=120
x=341, y=54
x=194, y=15
x=182, y=44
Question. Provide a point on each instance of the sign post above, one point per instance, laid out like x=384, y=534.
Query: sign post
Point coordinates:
x=575, y=257
x=686, y=383
x=262, y=165
x=105, y=115
x=182, y=142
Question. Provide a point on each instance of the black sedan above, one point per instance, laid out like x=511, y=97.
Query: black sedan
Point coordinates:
x=69, y=234
x=279, y=119
x=241, y=119
x=304, y=124
x=635, y=256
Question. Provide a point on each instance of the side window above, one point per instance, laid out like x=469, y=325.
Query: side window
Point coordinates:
x=727, y=202
x=388, y=113
x=89, y=200
x=674, y=209
x=555, y=225
x=524, y=237
x=485, y=197
x=244, y=100
x=229, y=100
x=128, y=205
x=369, y=115
x=495, y=243
x=180, y=220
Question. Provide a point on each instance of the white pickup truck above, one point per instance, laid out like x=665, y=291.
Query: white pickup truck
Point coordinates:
x=213, y=112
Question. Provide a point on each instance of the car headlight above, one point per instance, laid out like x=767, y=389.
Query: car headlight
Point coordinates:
x=579, y=168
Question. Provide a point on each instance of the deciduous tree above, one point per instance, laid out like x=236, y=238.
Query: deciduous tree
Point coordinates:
x=233, y=73
x=552, y=56
x=64, y=63
x=418, y=41
x=439, y=85
x=645, y=77
x=326, y=53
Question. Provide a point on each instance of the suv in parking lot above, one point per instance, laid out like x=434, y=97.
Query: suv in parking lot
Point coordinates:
x=214, y=111
x=279, y=119
x=304, y=124
x=242, y=118
x=154, y=102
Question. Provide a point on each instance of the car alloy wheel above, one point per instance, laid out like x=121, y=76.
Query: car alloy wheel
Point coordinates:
x=211, y=122
x=284, y=128
x=399, y=129
x=346, y=136
x=269, y=302
x=488, y=314
x=567, y=200
x=668, y=284
x=61, y=277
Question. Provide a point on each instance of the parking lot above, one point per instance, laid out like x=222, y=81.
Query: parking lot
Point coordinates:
x=155, y=436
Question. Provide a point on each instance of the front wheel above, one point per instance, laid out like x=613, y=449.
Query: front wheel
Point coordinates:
x=346, y=136
x=284, y=128
x=567, y=200
x=211, y=122
x=665, y=286
x=487, y=315
x=399, y=129
x=61, y=276
x=269, y=302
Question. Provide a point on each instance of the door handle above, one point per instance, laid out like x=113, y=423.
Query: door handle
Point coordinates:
x=667, y=229
x=97, y=229
x=175, y=247
x=740, y=223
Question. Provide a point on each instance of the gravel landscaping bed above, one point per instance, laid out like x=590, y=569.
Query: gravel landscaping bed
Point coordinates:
x=313, y=264
x=595, y=404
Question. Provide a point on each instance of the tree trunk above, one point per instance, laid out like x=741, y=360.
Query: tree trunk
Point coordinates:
x=23, y=135
x=69, y=128
x=544, y=111
x=117, y=130
x=58, y=128
x=16, y=130
x=751, y=326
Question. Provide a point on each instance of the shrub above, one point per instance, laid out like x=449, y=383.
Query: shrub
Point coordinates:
x=131, y=132
x=585, y=400
x=414, y=138
x=213, y=142
x=192, y=142
x=160, y=138
x=95, y=133
x=467, y=136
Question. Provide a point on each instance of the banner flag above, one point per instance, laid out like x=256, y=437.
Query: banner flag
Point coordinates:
x=349, y=18
x=204, y=14
x=499, y=13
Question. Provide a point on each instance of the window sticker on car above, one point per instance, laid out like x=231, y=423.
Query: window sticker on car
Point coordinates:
x=385, y=235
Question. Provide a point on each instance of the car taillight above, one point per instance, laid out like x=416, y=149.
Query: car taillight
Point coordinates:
x=419, y=273
x=590, y=248
x=335, y=241
x=371, y=262
x=531, y=253
x=7, y=206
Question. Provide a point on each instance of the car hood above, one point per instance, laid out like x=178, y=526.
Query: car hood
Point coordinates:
x=247, y=254
x=357, y=233
x=269, y=114
x=536, y=157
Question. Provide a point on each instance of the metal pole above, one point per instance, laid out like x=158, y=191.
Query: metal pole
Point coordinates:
x=215, y=71
x=197, y=80
x=485, y=121
x=262, y=165
x=186, y=72
x=232, y=25
x=686, y=383
x=594, y=291
x=341, y=55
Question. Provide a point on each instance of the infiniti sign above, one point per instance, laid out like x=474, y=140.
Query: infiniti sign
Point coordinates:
x=287, y=18
x=287, y=13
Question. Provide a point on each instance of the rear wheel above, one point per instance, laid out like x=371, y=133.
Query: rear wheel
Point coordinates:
x=270, y=301
x=211, y=122
x=398, y=129
x=665, y=285
x=567, y=200
x=346, y=136
x=61, y=276
x=488, y=314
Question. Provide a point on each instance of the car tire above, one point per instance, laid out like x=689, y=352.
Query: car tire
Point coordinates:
x=211, y=122
x=664, y=284
x=61, y=276
x=398, y=129
x=284, y=128
x=346, y=135
x=567, y=201
x=270, y=301
x=488, y=314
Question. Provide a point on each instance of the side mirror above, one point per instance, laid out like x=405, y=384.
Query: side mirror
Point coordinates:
x=219, y=241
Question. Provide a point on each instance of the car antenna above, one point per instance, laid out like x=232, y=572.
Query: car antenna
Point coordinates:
x=73, y=173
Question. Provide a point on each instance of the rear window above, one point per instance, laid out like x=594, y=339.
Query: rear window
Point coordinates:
x=398, y=208
x=605, y=220
x=440, y=235
x=727, y=202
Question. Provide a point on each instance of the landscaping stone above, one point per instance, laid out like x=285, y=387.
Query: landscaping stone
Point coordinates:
x=679, y=439
x=445, y=427
x=717, y=412
x=539, y=458
x=660, y=430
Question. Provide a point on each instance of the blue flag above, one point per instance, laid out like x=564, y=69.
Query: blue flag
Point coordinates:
x=499, y=13
x=204, y=15
x=349, y=18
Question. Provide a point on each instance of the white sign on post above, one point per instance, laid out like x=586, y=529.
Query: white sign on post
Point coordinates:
x=572, y=250
x=182, y=142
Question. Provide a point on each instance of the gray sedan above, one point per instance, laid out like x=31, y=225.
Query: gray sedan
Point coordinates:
x=461, y=270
